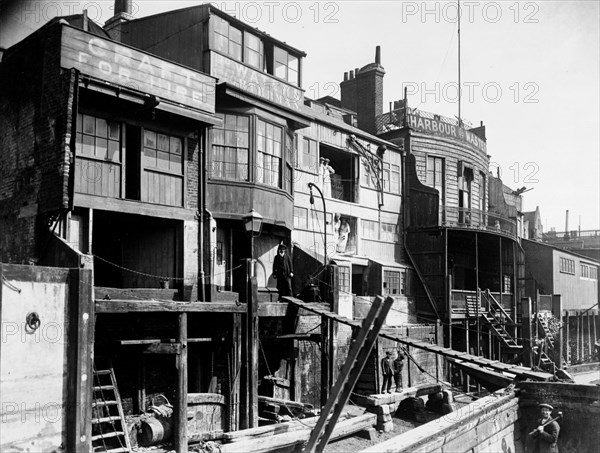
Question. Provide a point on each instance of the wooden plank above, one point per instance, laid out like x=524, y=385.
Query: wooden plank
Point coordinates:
x=290, y=439
x=163, y=348
x=271, y=430
x=144, y=306
x=295, y=404
x=180, y=438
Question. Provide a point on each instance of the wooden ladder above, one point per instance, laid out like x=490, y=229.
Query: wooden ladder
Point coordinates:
x=109, y=431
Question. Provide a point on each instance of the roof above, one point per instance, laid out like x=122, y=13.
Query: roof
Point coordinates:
x=339, y=124
x=558, y=249
x=213, y=9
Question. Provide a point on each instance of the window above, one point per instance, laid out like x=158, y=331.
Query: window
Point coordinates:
x=391, y=283
x=300, y=217
x=370, y=229
x=344, y=279
x=391, y=172
x=308, y=158
x=482, y=190
x=162, y=152
x=588, y=271
x=285, y=66
x=465, y=178
x=567, y=266
x=230, y=148
x=268, y=144
x=389, y=232
x=253, y=51
x=506, y=286
x=228, y=39
x=98, y=138
x=368, y=178
x=435, y=174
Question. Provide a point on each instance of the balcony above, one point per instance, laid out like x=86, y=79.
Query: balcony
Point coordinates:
x=475, y=219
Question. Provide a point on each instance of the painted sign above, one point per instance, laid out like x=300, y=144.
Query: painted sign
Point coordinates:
x=439, y=127
x=256, y=83
x=125, y=66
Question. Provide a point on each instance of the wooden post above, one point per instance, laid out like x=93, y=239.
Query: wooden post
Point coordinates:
x=567, y=334
x=477, y=293
x=526, y=324
x=594, y=324
x=333, y=327
x=180, y=409
x=577, y=335
x=235, y=368
x=253, y=353
x=80, y=335
x=587, y=317
x=325, y=376
x=558, y=343
x=408, y=367
x=468, y=351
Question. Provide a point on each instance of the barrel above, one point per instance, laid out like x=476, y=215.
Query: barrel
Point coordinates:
x=154, y=430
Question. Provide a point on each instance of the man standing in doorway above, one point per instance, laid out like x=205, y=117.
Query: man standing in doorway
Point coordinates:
x=283, y=271
x=398, y=365
x=387, y=372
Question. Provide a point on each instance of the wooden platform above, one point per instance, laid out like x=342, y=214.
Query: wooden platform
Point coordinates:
x=518, y=372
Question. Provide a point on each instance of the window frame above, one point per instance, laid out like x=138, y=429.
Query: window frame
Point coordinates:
x=392, y=280
x=223, y=174
x=261, y=170
x=157, y=150
x=566, y=266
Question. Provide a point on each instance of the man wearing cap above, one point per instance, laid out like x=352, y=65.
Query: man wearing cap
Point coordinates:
x=387, y=372
x=283, y=271
x=546, y=434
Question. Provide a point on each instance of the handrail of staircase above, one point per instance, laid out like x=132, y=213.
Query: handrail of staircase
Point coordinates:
x=498, y=305
x=422, y=279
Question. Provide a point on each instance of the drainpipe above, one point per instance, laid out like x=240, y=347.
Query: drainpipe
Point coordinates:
x=202, y=184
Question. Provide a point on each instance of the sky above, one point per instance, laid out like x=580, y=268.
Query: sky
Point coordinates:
x=529, y=70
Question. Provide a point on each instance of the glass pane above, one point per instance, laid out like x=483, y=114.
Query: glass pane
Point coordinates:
x=242, y=140
x=149, y=139
x=163, y=142
x=292, y=77
x=101, y=148
x=114, y=131
x=113, y=151
x=230, y=121
x=230, y=138
x=175, y=163
x=253, y=42
x=175, y=145
x=280, y=55
x=89, y=124
x=235, y=51
x=280, y=70
x=101, y=128
x=87, y=148
x=269, y=131
x=218, y=136
x=235, y=35
x=277, y=149
x=242, y=123
x=292, y=63
x=260, y=127
x=260, y=167
x=221, y=43
x=162, y=159
x=149, y=158
x=220, y=25
x=79, y=122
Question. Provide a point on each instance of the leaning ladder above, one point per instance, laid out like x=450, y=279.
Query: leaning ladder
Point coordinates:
x=109, y=431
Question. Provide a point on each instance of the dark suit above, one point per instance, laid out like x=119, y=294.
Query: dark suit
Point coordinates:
x=387, y=373
x=283, y=270
x=546, y=442
x=398, y=365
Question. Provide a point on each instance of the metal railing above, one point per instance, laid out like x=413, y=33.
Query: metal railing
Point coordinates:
x=455, y=217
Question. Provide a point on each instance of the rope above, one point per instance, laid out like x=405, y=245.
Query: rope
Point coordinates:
x=10, y=285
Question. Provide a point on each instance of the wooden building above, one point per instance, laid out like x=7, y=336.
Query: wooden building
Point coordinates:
x=250, y=163
x=461, y=225
x=354, y=211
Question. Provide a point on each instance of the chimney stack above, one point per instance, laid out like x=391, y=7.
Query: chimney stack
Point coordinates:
x=363, y=93
x=114, y=25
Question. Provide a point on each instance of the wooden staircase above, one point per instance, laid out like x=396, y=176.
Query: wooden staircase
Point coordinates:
x=109, y=431
x=496, y=318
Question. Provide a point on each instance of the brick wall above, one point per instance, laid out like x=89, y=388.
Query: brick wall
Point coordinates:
x=35, y=141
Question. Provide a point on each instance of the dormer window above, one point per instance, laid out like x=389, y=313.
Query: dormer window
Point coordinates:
x=228, y=39
x=253, y=51
x=285, y=65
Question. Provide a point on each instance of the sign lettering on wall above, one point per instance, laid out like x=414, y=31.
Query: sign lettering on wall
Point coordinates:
x=439, y=127
x=113, y=62
x=256, y=82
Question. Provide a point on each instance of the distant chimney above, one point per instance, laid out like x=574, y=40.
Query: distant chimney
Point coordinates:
x=113, y=26
x=364, y=93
